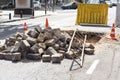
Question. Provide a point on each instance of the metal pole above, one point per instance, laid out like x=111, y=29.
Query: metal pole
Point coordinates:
x=45, y=7
x=21, y=14
x=82, y=55
x=9, y=16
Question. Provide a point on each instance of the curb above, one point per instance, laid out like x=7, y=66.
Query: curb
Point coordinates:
x=24, y=19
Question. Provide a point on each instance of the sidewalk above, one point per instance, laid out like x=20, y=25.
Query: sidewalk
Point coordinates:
x=4, y=16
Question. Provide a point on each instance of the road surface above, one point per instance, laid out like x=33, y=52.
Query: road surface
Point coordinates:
x=103, y=65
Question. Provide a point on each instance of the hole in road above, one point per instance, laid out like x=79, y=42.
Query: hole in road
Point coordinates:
x=92, y=37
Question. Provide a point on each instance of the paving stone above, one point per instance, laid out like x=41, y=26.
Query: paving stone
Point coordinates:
x=29, y=32
x=2, y=48
x=25, y=48
x=38, y=29
x=10, y=41
x=18, y=34
x=31, y=40
x=7, y=49
x=48, y=35
x=2, y=55
x=61, y=37
x=42, y=45
x=16, y=56
x=76, y=45
x=70, y=55
x=32, y=56
x=24, y=37
x=67, y=37
x=35, y=48
x=55, y=38
x=51, y=51
x=61, y=56
x=57, y=31
x=16, y=47
x=61, y=44
x=46, y=58
x=61, y=51
x=66, y=46
x=40, y=38
x=89, y=45
x=63, y=48
x=41, y=51
x=25, y=45
x=33, y=33
x=89, y=51
x=50, y=42
x=56, y=58
x=77, y=52
x=8, y=56
x=56, y=46
x=19, y=39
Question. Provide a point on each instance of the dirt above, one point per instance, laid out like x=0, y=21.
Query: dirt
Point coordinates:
x=107, y=39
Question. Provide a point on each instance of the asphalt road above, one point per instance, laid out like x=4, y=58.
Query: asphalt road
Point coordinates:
x=64, y=19
x=103, y=65
x=57, y=19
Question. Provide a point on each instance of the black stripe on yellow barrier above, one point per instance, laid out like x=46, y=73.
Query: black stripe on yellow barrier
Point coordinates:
x=92, y=14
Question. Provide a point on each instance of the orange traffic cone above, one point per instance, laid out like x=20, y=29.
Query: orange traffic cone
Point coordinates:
x=46, y=24
x=25, y=27
x=112, y=34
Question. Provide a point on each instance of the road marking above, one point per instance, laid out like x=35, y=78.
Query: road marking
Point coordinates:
x=93, y=66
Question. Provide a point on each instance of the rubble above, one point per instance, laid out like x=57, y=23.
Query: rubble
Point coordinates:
x=70, y=55
x=33, y=33
x=56, y=58
x=16, y=56
x=2, y=48
x=51, y=51
x=40, y=38
x=32, y=56
x=89, y=51
x=50, y=45
x=46, y=58
x=41, y=51
x=35, y=48
x=31, y=40
x=12, y=56
x=2, y=55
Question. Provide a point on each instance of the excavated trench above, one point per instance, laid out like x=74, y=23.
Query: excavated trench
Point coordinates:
x=92, y=37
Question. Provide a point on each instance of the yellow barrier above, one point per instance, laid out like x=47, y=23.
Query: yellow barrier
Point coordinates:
x=92, y=14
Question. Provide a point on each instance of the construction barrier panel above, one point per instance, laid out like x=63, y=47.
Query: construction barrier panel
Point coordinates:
x=117, y=22
x=95, y=14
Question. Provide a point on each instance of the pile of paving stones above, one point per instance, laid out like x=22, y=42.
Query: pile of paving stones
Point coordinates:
x=50, y=45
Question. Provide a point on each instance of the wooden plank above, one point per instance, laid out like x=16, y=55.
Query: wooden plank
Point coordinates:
x=71, y=41
x=82, y=56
